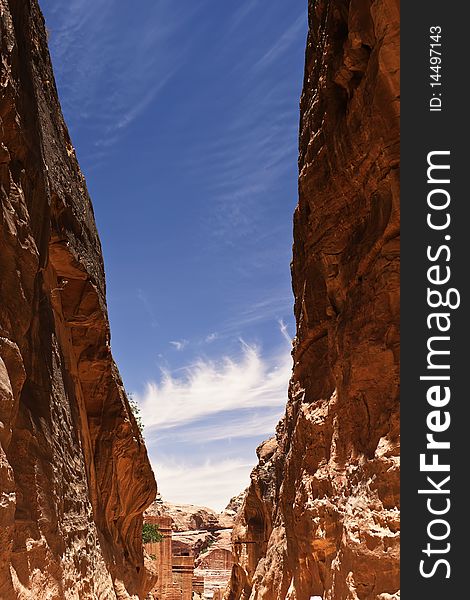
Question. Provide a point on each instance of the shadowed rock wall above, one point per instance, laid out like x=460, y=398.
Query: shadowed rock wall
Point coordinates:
x=74, y=473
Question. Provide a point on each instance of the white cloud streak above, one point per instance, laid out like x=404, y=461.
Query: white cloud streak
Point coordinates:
x=210, y=387
x=285, y=331
x=179, y=344
x=281, y=45
x=142, y=296
x=250, y=153
x=103, y=77
x=241, y=14
x=234, y=426
x=211, y=483
x=195, y=420
x=269, y=308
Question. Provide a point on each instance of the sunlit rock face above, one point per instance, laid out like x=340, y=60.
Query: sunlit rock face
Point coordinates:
x=74, y=473
x=321, y=516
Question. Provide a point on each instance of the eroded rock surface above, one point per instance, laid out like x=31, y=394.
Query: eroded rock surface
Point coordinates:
x=74, y=473
x=321, y=516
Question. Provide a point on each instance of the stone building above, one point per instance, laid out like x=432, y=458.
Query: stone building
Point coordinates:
x=216, y=559
x=175, y=573
x=198, y=585
x=160, y=552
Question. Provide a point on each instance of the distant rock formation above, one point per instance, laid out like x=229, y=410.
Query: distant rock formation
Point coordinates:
x=321, y=516
x=188, y=517
x=74, y=473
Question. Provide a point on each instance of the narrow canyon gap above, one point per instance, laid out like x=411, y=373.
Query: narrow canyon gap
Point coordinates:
x=74, y=473
x=321, y=515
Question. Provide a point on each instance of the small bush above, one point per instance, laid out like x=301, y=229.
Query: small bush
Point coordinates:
x=135, y=408
x=151, y=533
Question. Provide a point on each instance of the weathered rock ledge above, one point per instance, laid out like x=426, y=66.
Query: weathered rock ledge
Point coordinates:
x=74, y=473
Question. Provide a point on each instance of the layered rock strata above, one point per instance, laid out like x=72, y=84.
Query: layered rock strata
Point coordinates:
x=321, y=516
x=74, y=473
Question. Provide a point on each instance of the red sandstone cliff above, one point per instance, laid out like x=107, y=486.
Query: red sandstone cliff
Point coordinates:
x=74, y=473
x=321, y=516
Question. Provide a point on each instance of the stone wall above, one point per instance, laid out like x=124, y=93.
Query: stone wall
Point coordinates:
x=161, y=553
x=198, y=585
x=176, y=579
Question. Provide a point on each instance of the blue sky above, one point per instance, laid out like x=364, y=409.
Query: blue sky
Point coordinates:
x=184, y=116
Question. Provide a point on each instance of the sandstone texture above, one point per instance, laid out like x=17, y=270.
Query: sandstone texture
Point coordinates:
x=74, y=473
x=321, y=516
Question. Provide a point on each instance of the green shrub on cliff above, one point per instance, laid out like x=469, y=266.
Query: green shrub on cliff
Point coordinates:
x=135, y=408
x=151, y=533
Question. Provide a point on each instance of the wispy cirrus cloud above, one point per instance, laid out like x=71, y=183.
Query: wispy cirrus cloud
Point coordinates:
x=203, y=421
x=254, y=146
x=148, y=306
x=281, y=45
x=247, y=161
x=179, y=344
x=243, y=11
x=232, y=425
x=284, y=330
x=269, y=308
x=209, y=387
x=106, y=80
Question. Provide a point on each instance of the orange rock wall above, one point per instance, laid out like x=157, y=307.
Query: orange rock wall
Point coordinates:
x=321, y=516
x=74, y=473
